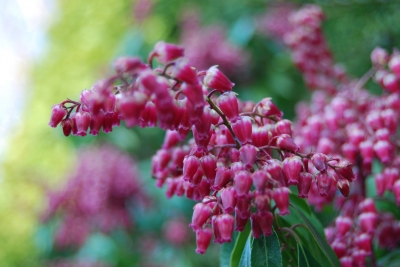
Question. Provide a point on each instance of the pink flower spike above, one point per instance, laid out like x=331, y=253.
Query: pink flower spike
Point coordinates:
x=203, y=239
x=167, y=52
x=215, y=79
x=57, y=115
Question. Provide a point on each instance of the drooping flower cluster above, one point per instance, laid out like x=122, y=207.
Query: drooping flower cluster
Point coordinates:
x=95, y=196
x=310, y=52
x=242, y=154
x=207, y=46
x=346, y=121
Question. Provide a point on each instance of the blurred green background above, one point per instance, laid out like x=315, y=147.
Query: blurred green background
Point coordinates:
x=84, y=38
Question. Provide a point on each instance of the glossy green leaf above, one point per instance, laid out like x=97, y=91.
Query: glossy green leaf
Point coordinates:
x=331, y=258
x=305, y=259
x=240, y=244
x=245, y=260
x=225, y=252
x=266, y=252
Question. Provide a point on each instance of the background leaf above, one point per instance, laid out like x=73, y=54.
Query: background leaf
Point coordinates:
x=245, y=260
x=241, y=242
x=266, y=251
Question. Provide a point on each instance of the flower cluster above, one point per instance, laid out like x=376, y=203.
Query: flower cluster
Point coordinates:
x=241, y=157
x=310, y=52
x=95, y=196
x=359, y=223
x=346, y=121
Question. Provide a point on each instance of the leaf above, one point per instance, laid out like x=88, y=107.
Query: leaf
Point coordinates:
x=331, y=257
x=245, y=260
x=226, y=252
x=388, y=206
x=266, y=251
x=305, y=259
x=240, y=243
x=392, y=259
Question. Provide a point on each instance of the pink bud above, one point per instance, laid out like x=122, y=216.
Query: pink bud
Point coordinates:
x=350, y=151
x=260, y=136
x=184, y=72
x=380, y=184
x=215, y=79
x=209, y=165
x=267, y=108
x=284, y=127
x=215, y=228
x=390, y=83
x=203, y=239
x=363, y=242
x=201, y=213
x=265, y=221
x=171, y=139
x=107, y=125
x=367, y=221
x=344, y=187
x=128, y=64
x=391, y=174
x=82, y=120
x=359, y=257
x=281, y=198
x=171, y=184
x=194, y=93
x=382, y=134
x=242, y=128
x=325, y=145
x=343, y=225
x=67, y=126
x=243, y=205
x=222, y=177
x=286, y=142
x=339, y=248
x=292, y=167
x=274, y=168
x=109, y=104
x=260, y=180
x=57, y=115
x=255, y=226
x=240, y=221
x=262, y=201
x=379, y=56
x=346, y=261
x=248, y=155
x=374, y=120
x=389, y=118
x=394, y=64
x=229, y=105
x=228, y=198
x=243, y=183
x=167, y=52
x=324, y=182
x=225, y=224
x=344, y=170
x=383, y=150
x=190, y=166
x=304, y=184
x=148, y=116
x=237, y=166
x=367, y=150
x=130, y=107
x=96, y=123
x=367, y=205
x=320, y=161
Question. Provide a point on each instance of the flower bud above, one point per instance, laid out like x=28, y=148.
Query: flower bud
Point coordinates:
x=66, y=126
x=304, y=185
x=346, y=261
x=209, y=165
x=281, y=198
x=148, y=116
x=380, y=184
x=260, y=180
x=390, y=83
x=363, y=242
x=274, y=168
x=82, y=121
x=167, y=52
x=344, y=187
x=394, y=64
x=195, y=95
x=248, y=155
x=243, y=205
x=267, y=108
x=359, y=257
x=260, y=136
x=343, y=225
x=128, y=64
x=240, y=221
x=225, y=224
x=190, y=166
x=383, y=150
x=171, y=139
x=201, y=213
x=228, y=198
x=367, y=150
x=284, y=127
x=57, y=115
x=292, y=167
x=324, y=182
x=367, y=221
x=379, y=56
x=391, y=174
x=203, y=239
x=184, y=72
x=242, y=128
x=243, y=183
x=215, y=79
x=228, y=104
x=262, y=201
x=96, y=123
x=339, y=248
x=222, y=177
x=286, y=142
x=367, y=205
x=265, y=220
x=255, y=226
x=396, y=191
x=344, y=170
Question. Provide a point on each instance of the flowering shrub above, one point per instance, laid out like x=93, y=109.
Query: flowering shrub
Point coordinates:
x=242, y=162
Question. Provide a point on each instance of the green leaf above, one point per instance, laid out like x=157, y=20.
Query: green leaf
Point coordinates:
x=226, y=252
x=266, y=251
x=305, y=259
x=245, y=260
x=240, y=243
x=388, y=206
x=391, y=260
x=319, y=237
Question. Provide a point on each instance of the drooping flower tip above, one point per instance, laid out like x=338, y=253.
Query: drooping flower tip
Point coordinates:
x=166, y=52
x=215, y=79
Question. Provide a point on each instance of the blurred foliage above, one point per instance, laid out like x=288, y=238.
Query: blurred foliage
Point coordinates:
x=86, y=36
